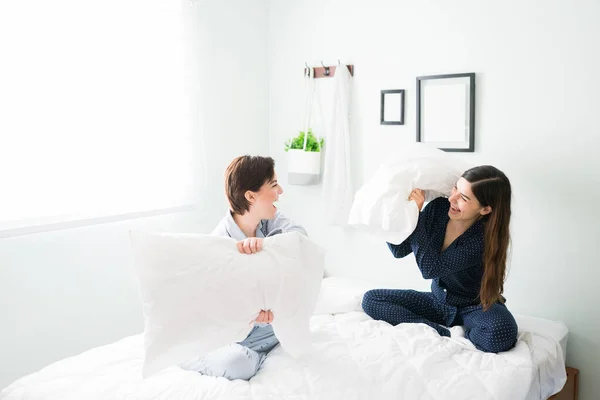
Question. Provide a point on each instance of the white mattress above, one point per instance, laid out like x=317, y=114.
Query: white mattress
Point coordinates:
x=354, y=358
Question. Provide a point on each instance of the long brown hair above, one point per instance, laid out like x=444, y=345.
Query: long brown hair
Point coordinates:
x=492, y=188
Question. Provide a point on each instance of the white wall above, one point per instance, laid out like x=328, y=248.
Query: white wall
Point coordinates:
x=233, y=94
x=537, y=101
x=65, y=291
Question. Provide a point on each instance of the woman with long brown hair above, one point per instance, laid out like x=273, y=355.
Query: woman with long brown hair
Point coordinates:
x=461, y=244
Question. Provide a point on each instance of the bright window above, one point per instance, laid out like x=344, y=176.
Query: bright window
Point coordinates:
x=94, y=109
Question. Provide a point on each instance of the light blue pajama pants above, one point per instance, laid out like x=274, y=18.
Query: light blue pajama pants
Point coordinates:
x=238, y=360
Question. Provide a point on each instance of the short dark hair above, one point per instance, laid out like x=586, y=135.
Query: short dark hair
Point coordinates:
x=246, y=173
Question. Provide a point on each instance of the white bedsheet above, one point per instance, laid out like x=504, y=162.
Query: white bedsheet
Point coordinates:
x=355, y=358
x=548, y=341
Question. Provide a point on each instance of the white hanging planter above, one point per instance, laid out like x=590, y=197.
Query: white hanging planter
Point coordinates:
x=304, y=167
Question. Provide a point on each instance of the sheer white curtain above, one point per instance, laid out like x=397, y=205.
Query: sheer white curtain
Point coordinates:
x=94, y=109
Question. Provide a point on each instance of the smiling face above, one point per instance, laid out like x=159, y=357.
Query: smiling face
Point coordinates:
x=464, y=206
x=262, y=202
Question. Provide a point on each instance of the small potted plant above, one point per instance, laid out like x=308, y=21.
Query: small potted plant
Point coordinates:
x=304, y=158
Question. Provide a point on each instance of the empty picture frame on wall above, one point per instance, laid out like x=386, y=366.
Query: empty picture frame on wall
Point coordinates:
x=392, y=107
x=446, y=111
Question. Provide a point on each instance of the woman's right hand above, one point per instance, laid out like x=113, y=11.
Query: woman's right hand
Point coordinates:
x=265, y=317
x=250, y=245
x=418, y=196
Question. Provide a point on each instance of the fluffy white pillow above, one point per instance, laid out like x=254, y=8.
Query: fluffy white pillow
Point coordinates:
x=381, y=205
x=199, y=293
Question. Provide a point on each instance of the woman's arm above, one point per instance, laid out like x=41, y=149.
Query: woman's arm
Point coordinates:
x=400, y=250
x=403, y=249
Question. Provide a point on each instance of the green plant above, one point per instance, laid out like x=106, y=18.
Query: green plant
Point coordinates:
x=312, y=143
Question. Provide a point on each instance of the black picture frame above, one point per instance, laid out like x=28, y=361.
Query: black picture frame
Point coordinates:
x=444, y=95
x=392, y=121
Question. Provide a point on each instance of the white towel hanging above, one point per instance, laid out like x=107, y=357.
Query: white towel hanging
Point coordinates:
x=337, y=176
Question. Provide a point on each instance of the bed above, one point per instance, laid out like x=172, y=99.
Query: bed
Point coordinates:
x=354, y=357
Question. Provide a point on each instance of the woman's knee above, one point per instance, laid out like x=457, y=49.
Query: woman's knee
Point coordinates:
x=377, y=302
x=371, y=302
x=241, y=365
x=495, y=334
x=231, y=362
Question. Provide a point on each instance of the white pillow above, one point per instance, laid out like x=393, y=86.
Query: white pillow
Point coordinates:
x=381, y=205
x=199, y=293
x=340, y=295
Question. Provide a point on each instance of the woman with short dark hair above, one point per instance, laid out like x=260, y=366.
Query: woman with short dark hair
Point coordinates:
x=252, y=189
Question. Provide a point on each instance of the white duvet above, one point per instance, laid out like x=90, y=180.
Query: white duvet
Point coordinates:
x=354, y=358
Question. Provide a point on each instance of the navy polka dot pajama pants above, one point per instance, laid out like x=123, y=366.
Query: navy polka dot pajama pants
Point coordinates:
x=493, y=331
